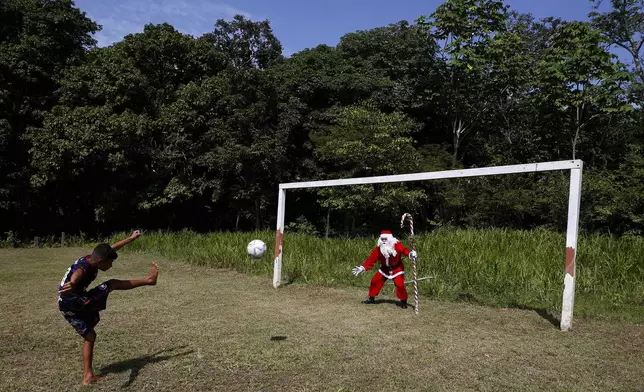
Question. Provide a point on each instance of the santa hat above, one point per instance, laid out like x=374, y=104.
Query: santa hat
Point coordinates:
x=386, y=234
x=391, y=240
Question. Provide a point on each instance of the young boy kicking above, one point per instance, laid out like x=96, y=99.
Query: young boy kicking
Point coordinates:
x=81, y=307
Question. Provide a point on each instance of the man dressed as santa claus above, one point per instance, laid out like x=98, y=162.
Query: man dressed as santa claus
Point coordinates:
x=389, y=252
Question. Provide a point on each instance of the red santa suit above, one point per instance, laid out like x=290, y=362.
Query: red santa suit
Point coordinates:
x=389, y=253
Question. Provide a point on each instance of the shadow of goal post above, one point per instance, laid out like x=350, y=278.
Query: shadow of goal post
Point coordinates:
x=574, y=201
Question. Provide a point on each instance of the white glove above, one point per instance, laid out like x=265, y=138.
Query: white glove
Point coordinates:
x=356, y=271
x=412, y=255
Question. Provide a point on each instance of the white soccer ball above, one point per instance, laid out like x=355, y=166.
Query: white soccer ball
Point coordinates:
x=256, y=249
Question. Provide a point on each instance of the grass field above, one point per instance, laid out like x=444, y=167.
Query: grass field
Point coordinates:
x=519, y=269
x=207, y=329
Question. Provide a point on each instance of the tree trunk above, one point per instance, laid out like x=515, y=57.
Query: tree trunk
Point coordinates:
x=459, y=131
x=237, y=221
x=456, y=140
x=328, y=221
x=637, y=60
x=580, y=109
x=422, y=219
x=639, y=69
x=257, y=217
x=346, y=223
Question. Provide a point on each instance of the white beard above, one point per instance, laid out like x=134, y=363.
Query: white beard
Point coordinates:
x=388, y=249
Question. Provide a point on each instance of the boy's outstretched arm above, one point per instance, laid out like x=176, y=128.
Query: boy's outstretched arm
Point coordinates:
x=69, y=286
x=135, y=234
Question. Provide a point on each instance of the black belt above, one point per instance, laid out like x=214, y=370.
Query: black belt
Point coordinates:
x=388, y=269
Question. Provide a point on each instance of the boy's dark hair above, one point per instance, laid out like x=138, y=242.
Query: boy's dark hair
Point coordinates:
x=104, y=252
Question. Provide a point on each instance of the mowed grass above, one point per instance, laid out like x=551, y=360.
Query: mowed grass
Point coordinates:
x=208, y=329
x=503, y=268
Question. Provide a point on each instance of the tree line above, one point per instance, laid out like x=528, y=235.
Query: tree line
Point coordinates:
x=167, y=130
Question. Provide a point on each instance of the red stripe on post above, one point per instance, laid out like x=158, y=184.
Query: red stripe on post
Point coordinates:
x=279, y=241
x=570, y=261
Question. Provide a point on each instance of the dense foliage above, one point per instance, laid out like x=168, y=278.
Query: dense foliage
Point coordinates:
x=167, y=130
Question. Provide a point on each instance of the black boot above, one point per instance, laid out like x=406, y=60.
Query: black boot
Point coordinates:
x=403, y=304
x=370, y=300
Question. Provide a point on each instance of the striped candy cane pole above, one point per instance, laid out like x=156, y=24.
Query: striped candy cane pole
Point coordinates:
x=413, y=262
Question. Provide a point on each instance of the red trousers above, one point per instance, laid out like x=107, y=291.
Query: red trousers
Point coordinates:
x=379, y=280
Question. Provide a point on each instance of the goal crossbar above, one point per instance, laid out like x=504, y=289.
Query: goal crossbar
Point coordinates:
x=574, y=200
x=439, y=175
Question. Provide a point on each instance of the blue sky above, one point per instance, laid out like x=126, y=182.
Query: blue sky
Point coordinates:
x=298, y=24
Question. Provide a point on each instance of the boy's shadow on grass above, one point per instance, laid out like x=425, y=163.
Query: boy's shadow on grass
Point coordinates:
x=135, y=365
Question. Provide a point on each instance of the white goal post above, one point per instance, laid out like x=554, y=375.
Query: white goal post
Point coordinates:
x=574, y=201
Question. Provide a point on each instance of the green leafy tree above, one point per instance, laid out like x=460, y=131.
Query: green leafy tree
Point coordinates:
x=466, y=29
x=246, y=44
x=38, y=40
x=171, y=130
x=173, y=117
x=253, y=141
x=402, y=58
x=623, y=26
x=311, y=84
x=579, y=78
x=106, y=135
x=365, y=142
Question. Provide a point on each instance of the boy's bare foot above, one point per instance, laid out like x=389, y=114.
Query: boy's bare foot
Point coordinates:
x=90, y=379
x=154, y=273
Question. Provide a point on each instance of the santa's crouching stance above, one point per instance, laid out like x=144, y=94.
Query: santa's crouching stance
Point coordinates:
x=389, y=252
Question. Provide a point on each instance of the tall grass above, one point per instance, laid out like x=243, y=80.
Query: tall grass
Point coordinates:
x=508, y=268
